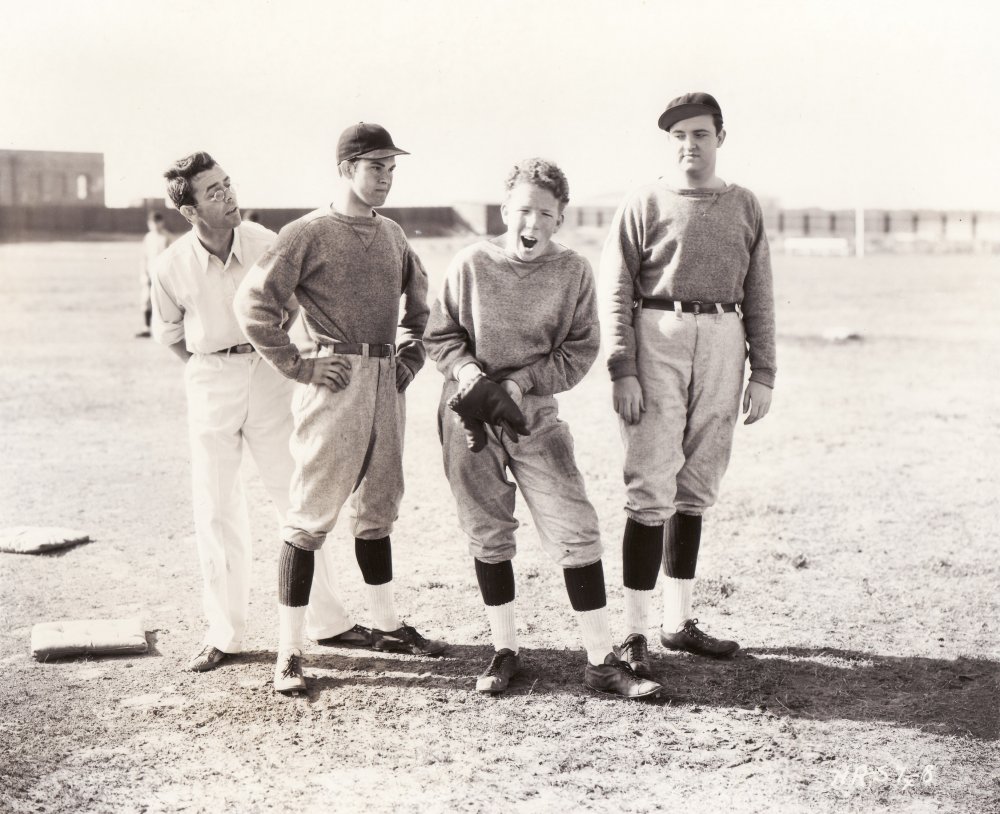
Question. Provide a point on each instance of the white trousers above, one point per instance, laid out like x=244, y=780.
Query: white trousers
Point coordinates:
x=232, y=399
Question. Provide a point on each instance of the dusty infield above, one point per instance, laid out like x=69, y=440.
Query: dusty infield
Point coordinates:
x=853, y=553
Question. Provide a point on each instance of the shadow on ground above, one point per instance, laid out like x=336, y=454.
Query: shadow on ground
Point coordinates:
x=950, y=697
x=957, y=697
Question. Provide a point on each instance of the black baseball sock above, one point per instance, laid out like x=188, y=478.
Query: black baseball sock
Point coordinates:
x=496, y=584
x=295, y=575
x=680, y=557
x=642, y=553
x=374, y=559
x=585, y=586
x=496, y=581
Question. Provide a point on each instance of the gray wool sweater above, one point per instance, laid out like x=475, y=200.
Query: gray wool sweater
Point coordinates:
x=356, y=280
x=533, y=323
x=706, y=245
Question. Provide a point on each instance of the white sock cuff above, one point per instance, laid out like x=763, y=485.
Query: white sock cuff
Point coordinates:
x=596, y=634
x=503, y=626
x=676, y=602
x=382, y=606
x=291, y=626
x=638, y=610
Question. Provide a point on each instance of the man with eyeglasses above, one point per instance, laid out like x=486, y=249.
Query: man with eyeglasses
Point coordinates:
x=233, y=397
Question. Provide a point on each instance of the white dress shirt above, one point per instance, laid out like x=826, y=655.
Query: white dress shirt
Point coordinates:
x=192, y=290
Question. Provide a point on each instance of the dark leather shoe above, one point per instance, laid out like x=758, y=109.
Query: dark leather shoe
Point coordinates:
x=505, y=665
x=615, y=677
x=405, y=639
x=691, y=639
x=357, y=636
x=635, y=651
x=208, y=658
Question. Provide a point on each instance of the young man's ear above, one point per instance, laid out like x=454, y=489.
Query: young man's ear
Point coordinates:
x=559, y=220
x=345, y=169
x=503, y=212
x=721, y=137
x=189, y=212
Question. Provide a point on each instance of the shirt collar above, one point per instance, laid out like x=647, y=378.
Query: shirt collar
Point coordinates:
x=204, y=256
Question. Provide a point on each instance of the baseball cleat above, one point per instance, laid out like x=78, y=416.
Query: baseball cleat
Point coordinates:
x=357, y=636
x=692, y=640
x=505, y=665
x=635, y=651
x=208, y=658
x=405, y=639
x=288, y=677
x=615, y=677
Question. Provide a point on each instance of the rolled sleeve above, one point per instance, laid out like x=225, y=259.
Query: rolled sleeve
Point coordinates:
x=167, y=321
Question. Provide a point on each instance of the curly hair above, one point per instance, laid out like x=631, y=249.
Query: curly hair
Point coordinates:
x=179, y=177
x=540, y=173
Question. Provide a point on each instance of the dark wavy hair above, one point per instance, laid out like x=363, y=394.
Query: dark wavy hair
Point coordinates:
x=179, y=177
x=540, y=173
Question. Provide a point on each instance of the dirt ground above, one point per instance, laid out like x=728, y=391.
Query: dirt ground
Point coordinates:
x=853, y=553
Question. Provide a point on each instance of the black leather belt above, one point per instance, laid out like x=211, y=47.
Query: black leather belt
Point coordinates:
x=693, y=307
x=362, y=349
x=246, y=347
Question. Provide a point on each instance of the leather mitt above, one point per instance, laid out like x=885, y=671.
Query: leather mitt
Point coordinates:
x=483, y=400
x=475, y=432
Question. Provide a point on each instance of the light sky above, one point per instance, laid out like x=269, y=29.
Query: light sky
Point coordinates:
x=875, y=103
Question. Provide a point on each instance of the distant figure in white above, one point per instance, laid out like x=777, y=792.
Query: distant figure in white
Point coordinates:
x=154, y=243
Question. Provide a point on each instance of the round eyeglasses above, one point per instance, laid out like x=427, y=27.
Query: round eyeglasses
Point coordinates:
x=220, y=195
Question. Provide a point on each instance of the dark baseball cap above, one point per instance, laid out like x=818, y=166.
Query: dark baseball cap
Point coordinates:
x=365, y=140
x=686, y=106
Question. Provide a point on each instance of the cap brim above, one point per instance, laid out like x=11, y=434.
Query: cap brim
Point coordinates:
x=681, y=112
x=371, y=155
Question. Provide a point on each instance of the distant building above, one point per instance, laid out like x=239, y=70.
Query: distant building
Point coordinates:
x=42, y=177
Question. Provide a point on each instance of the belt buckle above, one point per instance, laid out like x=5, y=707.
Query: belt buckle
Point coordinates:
x=365, y=349
x=696, y=307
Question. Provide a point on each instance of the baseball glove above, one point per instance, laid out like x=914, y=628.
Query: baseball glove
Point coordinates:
x=483, y=401
x=475, y=432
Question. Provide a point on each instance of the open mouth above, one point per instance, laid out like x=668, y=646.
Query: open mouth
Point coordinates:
x=529, y=242
x=233, y=210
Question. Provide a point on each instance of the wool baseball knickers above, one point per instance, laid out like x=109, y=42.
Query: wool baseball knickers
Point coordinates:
x=691, y=369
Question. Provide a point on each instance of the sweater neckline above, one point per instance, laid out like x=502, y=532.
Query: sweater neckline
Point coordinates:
x=357, y=219
x=496, y=244
x=366, y=229
x=699, y=192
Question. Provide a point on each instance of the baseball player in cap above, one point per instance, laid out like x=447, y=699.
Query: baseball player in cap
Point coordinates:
x=233, y=399
x=515, y=324
x=363, y=293
x=685, y=289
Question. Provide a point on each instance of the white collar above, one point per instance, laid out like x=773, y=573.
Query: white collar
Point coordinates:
x=204, y=256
